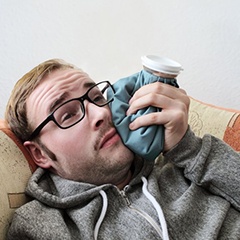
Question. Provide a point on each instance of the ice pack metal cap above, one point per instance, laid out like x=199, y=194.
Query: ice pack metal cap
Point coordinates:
x=161, y=64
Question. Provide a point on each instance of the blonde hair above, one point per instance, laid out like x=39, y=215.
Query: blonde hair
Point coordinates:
x=16, y=113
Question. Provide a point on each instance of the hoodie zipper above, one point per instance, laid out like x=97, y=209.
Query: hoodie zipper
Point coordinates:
x=141, y=212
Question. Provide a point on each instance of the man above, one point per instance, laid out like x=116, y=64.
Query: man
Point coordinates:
x=90, y=186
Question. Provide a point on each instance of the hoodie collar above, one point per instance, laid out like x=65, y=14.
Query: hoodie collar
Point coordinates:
x=58, y=192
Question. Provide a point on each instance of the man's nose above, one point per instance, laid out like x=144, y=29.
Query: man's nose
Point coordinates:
x=97, y=115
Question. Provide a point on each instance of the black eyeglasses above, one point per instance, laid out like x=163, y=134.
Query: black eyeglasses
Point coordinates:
x=72, y=111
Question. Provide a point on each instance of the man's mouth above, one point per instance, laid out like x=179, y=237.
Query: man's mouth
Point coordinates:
x=110, y=138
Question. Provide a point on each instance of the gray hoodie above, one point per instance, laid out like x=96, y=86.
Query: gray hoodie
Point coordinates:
x=193, y=193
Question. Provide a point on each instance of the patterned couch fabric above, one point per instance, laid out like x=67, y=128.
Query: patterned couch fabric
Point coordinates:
x=221, y=122
x=16, y=165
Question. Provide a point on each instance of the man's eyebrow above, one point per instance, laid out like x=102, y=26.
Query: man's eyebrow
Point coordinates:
x=61, y=99
x=88, y=84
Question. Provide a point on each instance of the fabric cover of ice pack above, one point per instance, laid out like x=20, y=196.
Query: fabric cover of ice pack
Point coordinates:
x=147, y=142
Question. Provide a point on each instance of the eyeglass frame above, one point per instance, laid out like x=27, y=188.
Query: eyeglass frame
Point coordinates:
x=81, y=99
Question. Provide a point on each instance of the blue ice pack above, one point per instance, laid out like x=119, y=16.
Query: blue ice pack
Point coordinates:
x=147, y=142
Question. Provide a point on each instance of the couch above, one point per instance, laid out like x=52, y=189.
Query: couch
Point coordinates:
x=16, y=165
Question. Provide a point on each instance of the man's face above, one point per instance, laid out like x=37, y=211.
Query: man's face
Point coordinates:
x=90, y=151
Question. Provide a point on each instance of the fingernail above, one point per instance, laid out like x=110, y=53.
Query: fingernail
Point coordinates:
x=131, y=126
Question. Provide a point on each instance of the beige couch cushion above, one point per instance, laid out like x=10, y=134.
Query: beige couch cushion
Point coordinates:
x=223, y=123
x=15, y=168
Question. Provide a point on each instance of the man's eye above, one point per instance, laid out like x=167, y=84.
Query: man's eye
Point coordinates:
x=98, y=98
x=67, y=116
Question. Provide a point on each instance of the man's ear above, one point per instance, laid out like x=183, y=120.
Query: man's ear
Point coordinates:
x=38, y=155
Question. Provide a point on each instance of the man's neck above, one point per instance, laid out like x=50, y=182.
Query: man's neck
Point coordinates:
x=125, y=181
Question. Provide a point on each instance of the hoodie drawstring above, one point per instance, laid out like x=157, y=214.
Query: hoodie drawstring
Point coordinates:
x=157, y=207
x=102, y=215
x=151, y=199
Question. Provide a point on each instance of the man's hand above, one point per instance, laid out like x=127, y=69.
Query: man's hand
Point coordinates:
x=174, y=103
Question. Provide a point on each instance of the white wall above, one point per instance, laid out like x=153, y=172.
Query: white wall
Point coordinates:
x=106, y=38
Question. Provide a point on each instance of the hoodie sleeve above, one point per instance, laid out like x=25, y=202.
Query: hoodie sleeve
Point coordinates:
x=209, y=163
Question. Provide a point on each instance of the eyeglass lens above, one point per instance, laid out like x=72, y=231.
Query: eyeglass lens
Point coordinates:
x=73, y=111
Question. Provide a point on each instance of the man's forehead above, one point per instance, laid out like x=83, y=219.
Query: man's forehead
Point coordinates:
x=57, y=86
x=62, y=79
x=64, y=74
